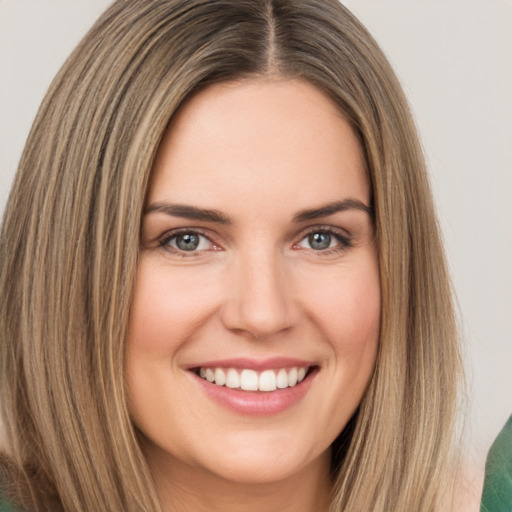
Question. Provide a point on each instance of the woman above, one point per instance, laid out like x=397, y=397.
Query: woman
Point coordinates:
x=222, y=281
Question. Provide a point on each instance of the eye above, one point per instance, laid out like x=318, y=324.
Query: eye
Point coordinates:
x=187, y=241
x=319, y=241
x=324, y=240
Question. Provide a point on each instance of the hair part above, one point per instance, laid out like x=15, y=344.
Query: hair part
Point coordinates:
x=70, y=240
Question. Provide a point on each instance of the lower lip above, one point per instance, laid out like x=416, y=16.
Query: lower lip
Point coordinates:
x=256, y=403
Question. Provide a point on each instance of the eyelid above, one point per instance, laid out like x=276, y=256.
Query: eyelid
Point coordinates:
x=344, y=239
x=165, y=238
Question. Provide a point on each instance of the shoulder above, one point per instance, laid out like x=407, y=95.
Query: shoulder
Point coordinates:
x=468, y=490
x=497, y=493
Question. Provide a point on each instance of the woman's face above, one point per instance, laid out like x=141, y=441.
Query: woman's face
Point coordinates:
x=255, y=320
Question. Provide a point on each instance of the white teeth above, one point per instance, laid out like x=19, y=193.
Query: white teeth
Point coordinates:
x=267, y=381
x=220, y=377
x=250, y=380
x=292, y=377
x=232, y=379
x=282, y=379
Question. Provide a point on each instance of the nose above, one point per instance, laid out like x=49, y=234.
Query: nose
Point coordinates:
x=259, y=301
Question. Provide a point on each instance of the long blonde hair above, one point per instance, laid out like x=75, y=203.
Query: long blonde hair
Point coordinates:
x=70, y=239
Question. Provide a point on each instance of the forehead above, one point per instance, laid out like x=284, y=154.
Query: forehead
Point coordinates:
x=259, y=137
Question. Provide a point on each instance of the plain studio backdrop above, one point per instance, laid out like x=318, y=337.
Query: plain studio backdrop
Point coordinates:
x=454, y=59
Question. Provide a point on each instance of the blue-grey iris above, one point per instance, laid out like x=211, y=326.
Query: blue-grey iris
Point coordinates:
x=187, y=242
x=319, y=241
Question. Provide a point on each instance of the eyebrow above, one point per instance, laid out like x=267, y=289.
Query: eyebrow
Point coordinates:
x=208, y=215
x=332, y=208
x=189, y=212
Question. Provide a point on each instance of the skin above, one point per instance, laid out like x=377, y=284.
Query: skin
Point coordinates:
x=259, y=152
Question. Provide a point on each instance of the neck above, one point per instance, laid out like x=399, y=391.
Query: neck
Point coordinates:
x=183, y=487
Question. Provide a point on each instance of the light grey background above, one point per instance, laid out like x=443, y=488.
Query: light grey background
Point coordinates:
x=455, y=61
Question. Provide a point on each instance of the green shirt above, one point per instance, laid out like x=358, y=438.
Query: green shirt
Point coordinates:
x=5, y=507
x=497, y=494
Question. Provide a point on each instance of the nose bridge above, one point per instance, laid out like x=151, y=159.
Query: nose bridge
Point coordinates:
x=260, y=301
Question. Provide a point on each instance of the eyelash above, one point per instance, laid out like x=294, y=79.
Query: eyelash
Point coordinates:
x=344, y=241
x=165, y=241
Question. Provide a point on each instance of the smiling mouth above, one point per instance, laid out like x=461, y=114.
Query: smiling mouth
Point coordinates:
x=251, y=380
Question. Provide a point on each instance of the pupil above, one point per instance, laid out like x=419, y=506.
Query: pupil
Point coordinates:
x=187, y=242
x=320, y=241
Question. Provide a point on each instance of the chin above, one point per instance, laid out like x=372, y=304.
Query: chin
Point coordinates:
x=262, y=468
x=265, y=458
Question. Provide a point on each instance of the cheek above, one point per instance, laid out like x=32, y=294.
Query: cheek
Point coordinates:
x=346, y=307
x=165, y=307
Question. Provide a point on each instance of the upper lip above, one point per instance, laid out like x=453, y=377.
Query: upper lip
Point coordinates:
x=253, y=364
